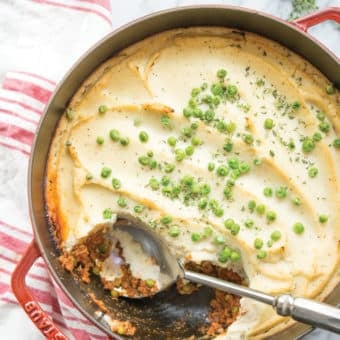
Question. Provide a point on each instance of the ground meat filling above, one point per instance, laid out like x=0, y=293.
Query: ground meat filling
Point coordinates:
x=87, y=257
x=224, y=306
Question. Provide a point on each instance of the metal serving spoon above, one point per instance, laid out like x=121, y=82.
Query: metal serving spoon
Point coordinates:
x=304, y=310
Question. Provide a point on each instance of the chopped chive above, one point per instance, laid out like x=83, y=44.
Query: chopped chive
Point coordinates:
x=89, y=177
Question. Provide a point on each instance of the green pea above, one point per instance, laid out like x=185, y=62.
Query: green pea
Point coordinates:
x=209, y=115
x=107, y=214
x=195, y=237
x=195, y=92
x=320, y=115
x=154, y=184
x=166, y=219
x=270, y=243
x=271, y=216
x=197, y=113
x=248, y=139
x=260, y=209
x=323, y=218
x=258, y=243
x=187, y=180
x=268, y=123
x=106, y=172
x=187, y=132
x=124, y=141
x=221, y=126
x=100, y=140
x=211, y=166
x=317, y=137
x=257, y=162
x=268, y=192
x=231, y=127
x=324, y=127
x=235, y=256
x=224, y=255
x=222, y=170
x=228, y=223
x=281, y=192
x=137, y=122
x=116, y=184
x=172, y=141
x=330, y=89
x=308, y=145
x=261, y=254
x=122, y=202
x=179, y=155
x=221, y=73
x=174, y=231
x=150, y=283
x=144, y=160
x=298, y=228
x=207, y=232
x=296, y=201
x=165, y=180
x=228, y=145
x=251, y=205
x=336, y=143
x=168, y=168
x=143, y=136
x=89, y=177
x=187, y=112
x=115, y=135
x=195, y=141
x=231, y=91
x=68, y=143
x=244, y=167
x=202, y=203
x=312, y=172
x=233, y=163
x=227, y=192
x=275, y=235
x=217, y=89
x=189, y=150
x=235, y=229
x=219, y=239
x=138, y=208
x=102, y=108
x=194, y=126
x=204, y=189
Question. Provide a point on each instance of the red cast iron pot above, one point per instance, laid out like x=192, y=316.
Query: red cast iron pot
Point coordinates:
x=155, y=318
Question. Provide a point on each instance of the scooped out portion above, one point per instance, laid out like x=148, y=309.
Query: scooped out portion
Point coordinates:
x=125, y=269
x=226, y=145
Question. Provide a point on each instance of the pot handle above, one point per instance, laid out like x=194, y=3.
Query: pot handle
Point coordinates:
x=330, y=13
x=25, y=298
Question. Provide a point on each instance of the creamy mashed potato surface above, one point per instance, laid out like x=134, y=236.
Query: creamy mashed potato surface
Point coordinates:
x=226, y=144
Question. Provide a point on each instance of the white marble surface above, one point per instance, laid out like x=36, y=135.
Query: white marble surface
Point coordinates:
x=328, y=33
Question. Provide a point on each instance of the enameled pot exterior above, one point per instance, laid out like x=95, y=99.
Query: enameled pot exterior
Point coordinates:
x=291, y=35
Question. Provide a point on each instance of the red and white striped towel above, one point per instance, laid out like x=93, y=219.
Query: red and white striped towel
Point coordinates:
x=40, y=40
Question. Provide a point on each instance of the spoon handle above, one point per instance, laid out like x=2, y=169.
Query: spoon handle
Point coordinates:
x=300, y=309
